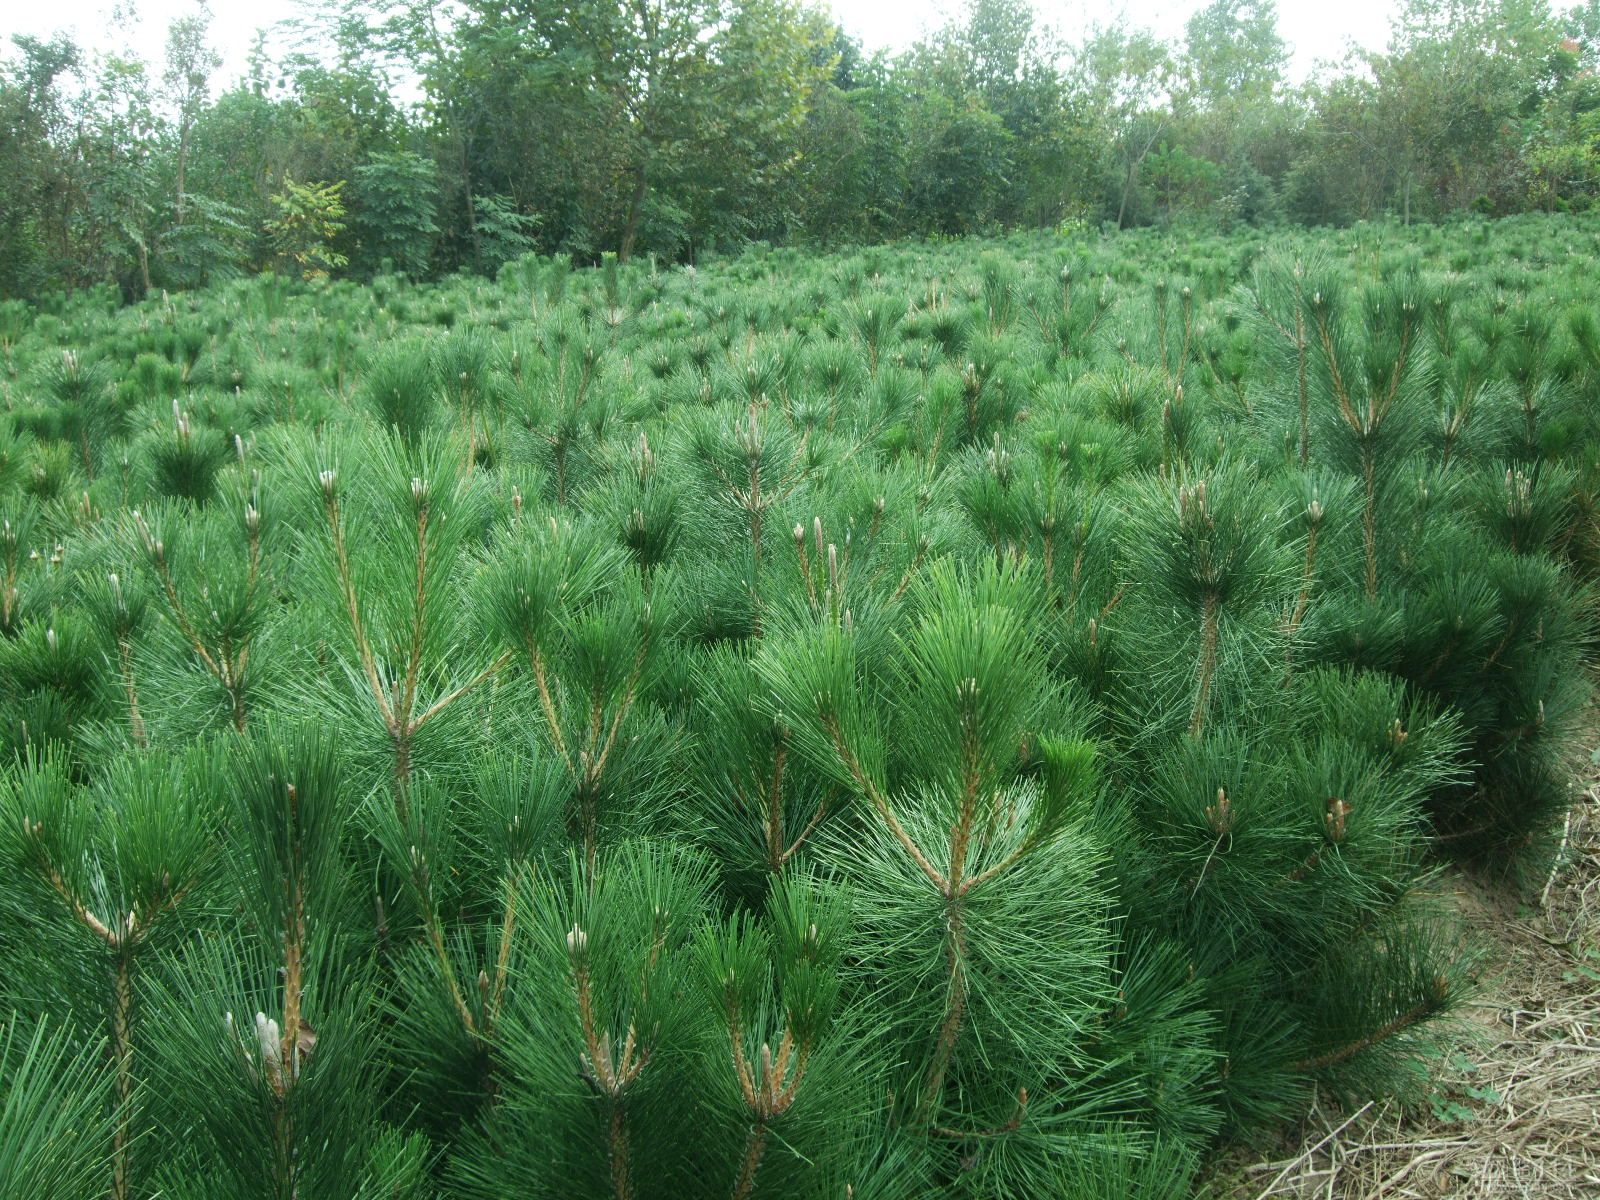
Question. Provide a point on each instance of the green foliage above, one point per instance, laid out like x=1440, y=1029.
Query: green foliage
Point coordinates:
x=55, y=1135
x=955, y=718
x=694, y=127
x=503, y=233
x=396, y=198
x=307, y=216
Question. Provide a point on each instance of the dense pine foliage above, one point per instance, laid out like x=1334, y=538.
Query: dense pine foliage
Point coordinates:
x=430, y=136
x=974, y=719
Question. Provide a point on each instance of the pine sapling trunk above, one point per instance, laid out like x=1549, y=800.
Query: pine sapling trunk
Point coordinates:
x=284, y=1074
x=621, y=1181
x=768, y=1087
x=130, y=688
x=122, y=1054
x=955, y=889
x=776, y=850
x=1308, y=578
x=1300, y=347
x=1369, y=518
x=755, y=1147
x=955, y=1011
x=1209, y=636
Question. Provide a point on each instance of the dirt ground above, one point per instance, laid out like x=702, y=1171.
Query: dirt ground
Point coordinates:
x=1516, y=1113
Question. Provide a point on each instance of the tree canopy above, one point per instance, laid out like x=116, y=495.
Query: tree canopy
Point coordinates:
x=467, y=131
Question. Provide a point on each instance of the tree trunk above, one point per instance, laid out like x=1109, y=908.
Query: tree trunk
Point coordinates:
x=472, y=203
x=635, y=207
x=183, y=163
x=1127, y=187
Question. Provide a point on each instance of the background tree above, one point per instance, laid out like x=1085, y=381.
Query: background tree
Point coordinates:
x=190, y=61
x=396, y=197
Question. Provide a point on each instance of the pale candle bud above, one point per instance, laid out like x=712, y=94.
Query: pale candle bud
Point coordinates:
x=268, y=1037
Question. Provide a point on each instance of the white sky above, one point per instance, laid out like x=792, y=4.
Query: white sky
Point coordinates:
x=1315, y=31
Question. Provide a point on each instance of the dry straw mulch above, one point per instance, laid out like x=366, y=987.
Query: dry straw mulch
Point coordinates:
x=1517, y=1112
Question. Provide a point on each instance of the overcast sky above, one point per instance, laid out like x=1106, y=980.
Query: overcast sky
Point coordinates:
x=1315, y=30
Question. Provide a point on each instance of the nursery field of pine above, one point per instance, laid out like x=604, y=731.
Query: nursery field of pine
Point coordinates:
x=976, y=719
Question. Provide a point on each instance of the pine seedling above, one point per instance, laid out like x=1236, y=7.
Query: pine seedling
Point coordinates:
x=995, y=498
x=184, y=464
x=1364, y=368
x=16, y=533
x=600, y=1026
x=1069, y=315
x=884, y=522
x=750, y=470
x=561, y=405
x=563, y=602
x=209, y=570
x=644, y=504
x=464, y=856
x=988, y=392
x=1226, y=353
x=1278, y=848
x=1183, y=434
x=835, y=372
x=874, y=321
x=394, y=546
x=104, y=872
x=1528, y=509
x=1174, y=330
x=87, y=415
x=401, y=390
x=1212, y=577
x=51, y=683
x=964, y=852
x=470, y=381
x=291, y=1091
x=1315, y=499
x=796, y=1087
x=942, y=322
x=120, y=610
x=1000, y=286
x=1126, y=394
x=761, y=803
x=1541, y=402
x=1275, y=300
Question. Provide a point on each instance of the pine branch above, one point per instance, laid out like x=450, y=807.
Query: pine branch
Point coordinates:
x=868, y=789
x=1414, y=1015
x=347, y=588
